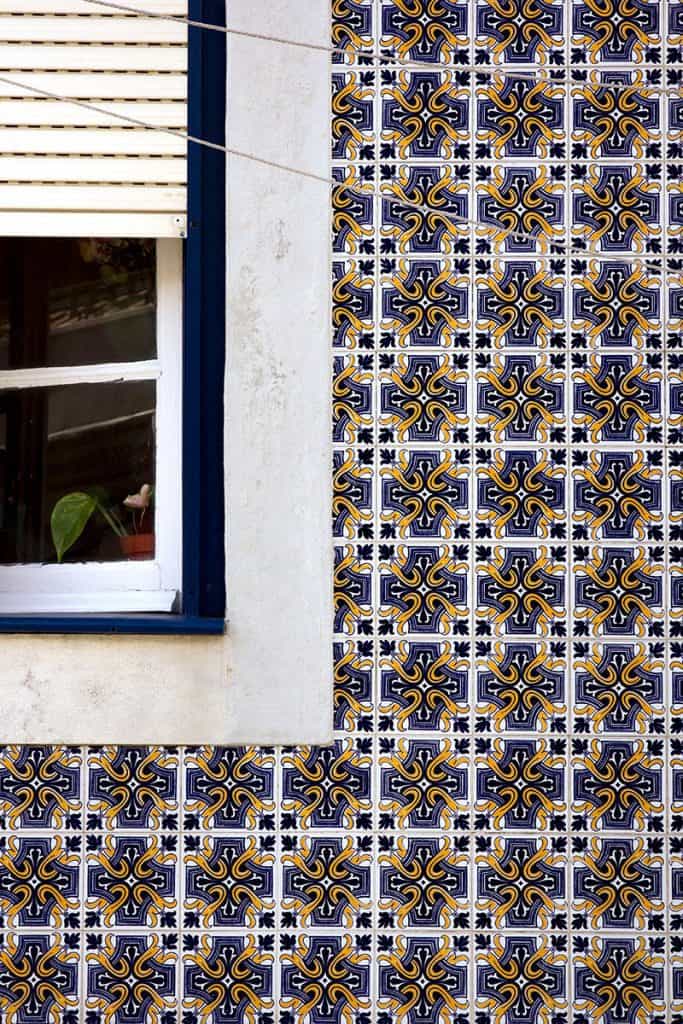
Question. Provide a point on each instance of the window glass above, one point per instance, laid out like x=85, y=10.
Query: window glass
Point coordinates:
x=69, y=301
x=97, y=439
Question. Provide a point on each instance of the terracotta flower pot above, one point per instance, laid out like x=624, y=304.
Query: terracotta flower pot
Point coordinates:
x=138, y=546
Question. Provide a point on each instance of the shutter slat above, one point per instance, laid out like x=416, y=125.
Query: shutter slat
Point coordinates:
x=71, y=170
x=91, y=224
x=90, y=57
x=67, y=170
x=153, y=198
x=89, y=30
x=20, y=8
x=100, y=86
x=47, y=113
x=106, y=141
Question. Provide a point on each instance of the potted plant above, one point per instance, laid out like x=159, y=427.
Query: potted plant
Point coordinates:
x=72, y=513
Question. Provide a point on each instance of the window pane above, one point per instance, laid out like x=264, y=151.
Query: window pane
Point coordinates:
x=70, y=301
x=93, y=438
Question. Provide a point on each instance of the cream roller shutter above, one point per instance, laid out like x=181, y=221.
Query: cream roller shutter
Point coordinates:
x=67, y=171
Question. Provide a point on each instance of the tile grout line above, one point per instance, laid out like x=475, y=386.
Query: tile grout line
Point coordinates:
x=472, y=868
x=375, y=769
x=666, y=511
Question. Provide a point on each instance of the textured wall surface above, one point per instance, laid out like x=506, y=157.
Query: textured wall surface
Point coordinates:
x=493, y=835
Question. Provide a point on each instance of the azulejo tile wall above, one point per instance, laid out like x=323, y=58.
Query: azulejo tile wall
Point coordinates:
x=494, y=835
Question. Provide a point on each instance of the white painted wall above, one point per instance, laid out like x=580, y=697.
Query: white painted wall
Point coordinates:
x=270, y=679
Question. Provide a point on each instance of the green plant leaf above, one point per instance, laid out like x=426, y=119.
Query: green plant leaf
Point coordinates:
x=69, y=518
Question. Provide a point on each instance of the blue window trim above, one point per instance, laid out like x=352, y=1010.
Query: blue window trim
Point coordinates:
x=203, y=366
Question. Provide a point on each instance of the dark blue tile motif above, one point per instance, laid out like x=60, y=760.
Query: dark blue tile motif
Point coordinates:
x=423, y=299
x=518, y=32
x=677, y=784
x=519, y=978
x=614, y=302
x=520, y=495
x=352, y=217
x=228, y=883
x=352, y=501
x=424, y=31
x=618, y=210
x=325, y=787
x=618, y=884
x=518, y=304
x=675, y=217
x=228, y=788
x=423, y=589
x=422, y=785
x=422, y=884
x=675, y=18
x=39, y=881
x=519, y=119
x=425, y=398
x=506, y=203
x=616, y=119
x=227, y=979
x=132, y=884
x=618, y=784
x=425, y=492
x=325, y=882
x=618, y=595
x=352, y=115
x=38, y=980
x=676, y=303
x=132, y=980
x=521, y=883
x=423, y=114
x=613, y=31
x=618, y=979
x=353, y=685
x=40, y=787
x=422, y=231
x=352, y=398
x=619, y=497
x=443, y=989
x=351, y=24
x=617, y=690
x=353, y=301
x=132, y=787
x=329, y=977
x=521, y=396
x=352, y=591
x=520, y=687
x=424, y=684
x=522, y=592
x=520, y=785
x=618, y=398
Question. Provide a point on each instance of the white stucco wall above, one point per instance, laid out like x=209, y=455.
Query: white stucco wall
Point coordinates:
x=269, y=680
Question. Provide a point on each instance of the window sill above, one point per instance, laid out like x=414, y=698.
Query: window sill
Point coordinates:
x=140, y=624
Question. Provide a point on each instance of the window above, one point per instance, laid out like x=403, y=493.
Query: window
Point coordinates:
x=112, y=324
x=90, y=396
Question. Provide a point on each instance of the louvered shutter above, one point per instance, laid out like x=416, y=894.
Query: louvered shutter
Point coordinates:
x=68, y=171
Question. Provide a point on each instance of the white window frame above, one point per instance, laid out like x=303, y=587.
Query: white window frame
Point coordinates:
x=123, y=586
